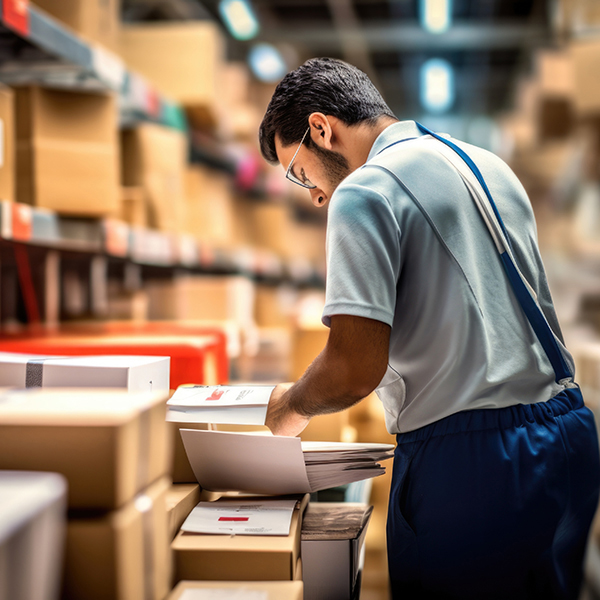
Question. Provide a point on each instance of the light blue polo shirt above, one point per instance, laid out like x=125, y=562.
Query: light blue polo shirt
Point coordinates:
x=407, y=246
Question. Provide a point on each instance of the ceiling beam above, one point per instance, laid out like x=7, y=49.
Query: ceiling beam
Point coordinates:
x=390, y=37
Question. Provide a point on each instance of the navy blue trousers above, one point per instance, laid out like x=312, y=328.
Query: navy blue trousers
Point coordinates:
x=495, y=504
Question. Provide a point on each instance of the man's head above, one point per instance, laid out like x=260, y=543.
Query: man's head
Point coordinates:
x=328, y=98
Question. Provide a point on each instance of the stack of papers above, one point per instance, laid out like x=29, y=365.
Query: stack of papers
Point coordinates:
x=268, y=464
x=227, y=404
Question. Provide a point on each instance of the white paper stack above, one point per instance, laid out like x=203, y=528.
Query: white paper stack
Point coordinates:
x=226, y=404
x=268, y=464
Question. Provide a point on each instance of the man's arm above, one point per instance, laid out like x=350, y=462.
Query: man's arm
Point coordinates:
x=349, y=368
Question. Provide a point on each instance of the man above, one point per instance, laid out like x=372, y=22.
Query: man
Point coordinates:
x=496, y=470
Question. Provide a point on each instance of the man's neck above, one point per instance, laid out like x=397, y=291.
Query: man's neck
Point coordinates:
x=362, y=139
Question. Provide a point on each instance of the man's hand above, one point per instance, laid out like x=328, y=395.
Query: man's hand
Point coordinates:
x=281, y=419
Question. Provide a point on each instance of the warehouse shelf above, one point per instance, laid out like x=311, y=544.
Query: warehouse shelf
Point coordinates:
x=36, y=48
x=146, y=247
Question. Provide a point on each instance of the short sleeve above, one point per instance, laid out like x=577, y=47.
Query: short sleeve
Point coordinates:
x=363, y=255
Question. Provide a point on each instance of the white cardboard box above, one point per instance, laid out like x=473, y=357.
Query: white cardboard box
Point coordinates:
x=32, y=531
x=134, y=373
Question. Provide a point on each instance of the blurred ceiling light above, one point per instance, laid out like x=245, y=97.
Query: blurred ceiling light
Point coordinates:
x=437, y=85
x=436, y=15
x=239, y=18
x=266, y=63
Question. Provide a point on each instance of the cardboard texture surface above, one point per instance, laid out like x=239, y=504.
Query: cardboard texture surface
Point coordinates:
x=7, y=144
x=585, y=55
x=109, y=444
x=132, y=208
x=154, y=158
x=209, y=206
x=67, y=151
x=181, y=499
x=180, y=469
x=239, y=558
x=272, y=590
x=189, y=72
x=122, y=555
x=96, y=20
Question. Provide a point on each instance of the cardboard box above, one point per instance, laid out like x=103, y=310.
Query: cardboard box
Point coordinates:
x=32, y=529
x=109, y=444
x=180, y=468
x=7, y=144
x=203, y=297
x=333, y=549
x=274, y=305
x=181, y=499
x=154, y=158
x=133, y=373
x=189, y=72
x=67, y=151
x=132, y=208
x=585, y=57
x=122, y=555
x=265, y=590
x=209, y=206
x=239, y=558
x=96, y=20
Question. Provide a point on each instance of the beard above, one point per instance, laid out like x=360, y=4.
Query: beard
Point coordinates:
x=335, y=164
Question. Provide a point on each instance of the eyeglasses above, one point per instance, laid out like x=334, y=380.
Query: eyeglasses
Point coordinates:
x=289, y=174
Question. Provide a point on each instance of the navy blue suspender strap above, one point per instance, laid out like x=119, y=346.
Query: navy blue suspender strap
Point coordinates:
x=530, y=307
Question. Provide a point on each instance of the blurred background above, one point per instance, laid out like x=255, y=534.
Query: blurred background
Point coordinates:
x=133, y=190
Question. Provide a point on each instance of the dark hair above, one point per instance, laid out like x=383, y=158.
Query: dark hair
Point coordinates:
x=325, y=85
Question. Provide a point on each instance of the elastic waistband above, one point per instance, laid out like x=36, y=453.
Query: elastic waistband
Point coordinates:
x=498, y=418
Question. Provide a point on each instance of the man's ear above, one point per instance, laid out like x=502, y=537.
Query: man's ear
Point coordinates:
x=321, y=132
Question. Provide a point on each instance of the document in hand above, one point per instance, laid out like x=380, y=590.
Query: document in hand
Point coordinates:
x=270, y=464
x=226, y=404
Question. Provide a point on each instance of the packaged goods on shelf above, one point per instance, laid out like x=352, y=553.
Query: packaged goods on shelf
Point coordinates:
x=154, y=158
x=7, y=144
x=32, y=530
x=210, y=207
x=132, y=206
x=333, y=537
x=67, y=151
x=274, y=305
x=239, y=558
x=267, y=358
x=181, y=499
x=585, y=56
x=134, y=373
x=203, y=297
x=272, y=224
x=96, y=20
x=122, y=555
x=189, y=71
x=265, y=590
x=109, y=444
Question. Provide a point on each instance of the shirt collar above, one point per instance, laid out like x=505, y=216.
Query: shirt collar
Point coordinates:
x=400, y=131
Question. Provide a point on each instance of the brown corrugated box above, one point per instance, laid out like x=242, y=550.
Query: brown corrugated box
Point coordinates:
x=96, y=20
x=109, y=444
x=67, y=151
x=7, y=144
x=189, y=72
x=272, y=590
x=209, y=206
x=585, y=57
x=181, y=499
x=241, y=557
x=154, y=158
x=122, y=555
x=181, y=470
x=132, y=206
